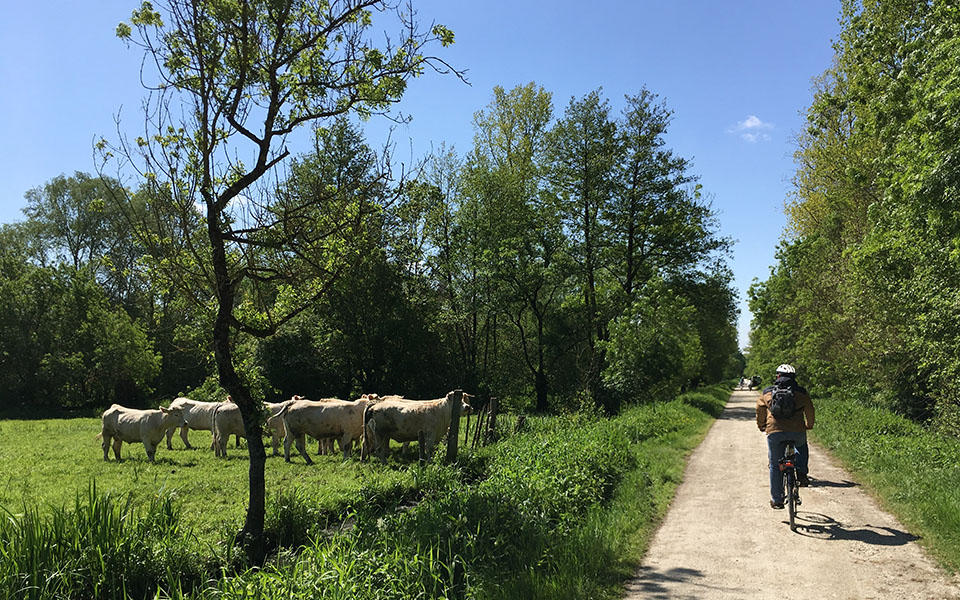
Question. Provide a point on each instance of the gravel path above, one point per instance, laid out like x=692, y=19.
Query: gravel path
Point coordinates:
x=721, y=539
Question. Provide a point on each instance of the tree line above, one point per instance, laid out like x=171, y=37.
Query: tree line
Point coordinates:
x=563, y=261
x=865, y=294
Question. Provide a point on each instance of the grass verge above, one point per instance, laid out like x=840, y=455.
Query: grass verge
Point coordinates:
x=911, y=469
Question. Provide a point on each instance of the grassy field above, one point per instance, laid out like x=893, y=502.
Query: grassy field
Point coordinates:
x=563, y=509
x=50, y=462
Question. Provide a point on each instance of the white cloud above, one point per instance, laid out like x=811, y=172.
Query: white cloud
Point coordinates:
x=752, y=129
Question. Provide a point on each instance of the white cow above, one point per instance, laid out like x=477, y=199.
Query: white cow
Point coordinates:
x=198, y=414
x=328, y=418
x=403, y=420
x=228, y=421
x=131, y=425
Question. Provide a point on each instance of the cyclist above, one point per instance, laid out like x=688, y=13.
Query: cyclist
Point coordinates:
x=779, y=431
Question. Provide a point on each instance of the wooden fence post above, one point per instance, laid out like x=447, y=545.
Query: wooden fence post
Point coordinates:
x=492, y=425
x=481, y=419
x=453, y=438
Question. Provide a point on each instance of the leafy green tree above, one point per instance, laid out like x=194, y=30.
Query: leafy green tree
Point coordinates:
x=714, y=299
x=583, y=152
x=235, y=80
x=62, y=342
x=654, y=349
x=520, y=220
x=445, y=242
x=657, y=222
x=871, y=288
x=78, y=225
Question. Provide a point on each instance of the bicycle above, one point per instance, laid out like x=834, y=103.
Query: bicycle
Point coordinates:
x=788, y=467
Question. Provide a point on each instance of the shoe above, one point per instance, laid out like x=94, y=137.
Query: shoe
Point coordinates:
x=777, y=505
x=803, y=480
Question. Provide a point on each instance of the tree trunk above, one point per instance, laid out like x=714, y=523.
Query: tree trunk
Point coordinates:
x=252, y=533
x=540, y=385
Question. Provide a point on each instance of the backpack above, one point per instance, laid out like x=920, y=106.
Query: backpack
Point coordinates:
x=783, y=405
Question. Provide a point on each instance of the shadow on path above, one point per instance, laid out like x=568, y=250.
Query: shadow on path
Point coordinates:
x=655, y=584
x=820, y=526
x=846, y=483
x=739, y=413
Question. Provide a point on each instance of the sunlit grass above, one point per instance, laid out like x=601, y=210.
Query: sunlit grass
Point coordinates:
x=914, y=471
x=48, y=462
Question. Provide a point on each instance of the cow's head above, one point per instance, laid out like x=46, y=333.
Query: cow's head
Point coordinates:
x=465, y=408
x=174, y=415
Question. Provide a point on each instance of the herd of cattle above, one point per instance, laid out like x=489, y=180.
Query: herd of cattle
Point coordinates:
x=372, y=421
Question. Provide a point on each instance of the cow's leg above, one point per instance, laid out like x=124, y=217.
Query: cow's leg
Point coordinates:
x=287, y=441
x=169, y=436
x=183, y=436
x=105, y=444
x=151, y=450
x=302, y=449
x=117, y=442
x=381, y=447
x=275, y=442
x=236, y=441
x=404, y=448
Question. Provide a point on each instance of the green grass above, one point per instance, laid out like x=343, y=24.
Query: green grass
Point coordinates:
x=913, y=471
x=48, y=462
x=563, y=510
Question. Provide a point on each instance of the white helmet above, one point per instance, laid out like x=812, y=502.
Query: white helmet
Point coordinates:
x=786, y=369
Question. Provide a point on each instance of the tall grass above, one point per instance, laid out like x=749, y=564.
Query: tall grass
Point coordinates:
x=101, y=548
x=563, y=510
x=912, y=469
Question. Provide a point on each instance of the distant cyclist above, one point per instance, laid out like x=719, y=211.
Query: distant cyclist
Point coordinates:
x=785, y=412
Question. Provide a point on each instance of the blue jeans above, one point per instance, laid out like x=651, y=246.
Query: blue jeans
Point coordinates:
x=776, y=446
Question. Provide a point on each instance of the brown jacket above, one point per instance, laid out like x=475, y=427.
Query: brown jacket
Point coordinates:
x=800, y=421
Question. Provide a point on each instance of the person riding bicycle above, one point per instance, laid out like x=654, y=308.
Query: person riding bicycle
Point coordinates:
x=785, y=428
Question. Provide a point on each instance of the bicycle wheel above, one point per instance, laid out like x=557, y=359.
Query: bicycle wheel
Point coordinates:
x=792, y=498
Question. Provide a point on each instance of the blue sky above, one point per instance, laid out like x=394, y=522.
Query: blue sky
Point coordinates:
x=736, y=74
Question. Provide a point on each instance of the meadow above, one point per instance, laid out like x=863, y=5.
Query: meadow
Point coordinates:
x=561, y=509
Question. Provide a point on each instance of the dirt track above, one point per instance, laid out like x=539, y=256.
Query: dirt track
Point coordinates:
x=721, y=539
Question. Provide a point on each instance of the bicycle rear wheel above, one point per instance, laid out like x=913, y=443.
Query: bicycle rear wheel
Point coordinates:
x=791, y=489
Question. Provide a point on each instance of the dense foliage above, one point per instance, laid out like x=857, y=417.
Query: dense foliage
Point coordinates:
x=865, y=291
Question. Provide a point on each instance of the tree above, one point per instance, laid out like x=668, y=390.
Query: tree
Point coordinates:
x=657, y=223
x=62, y=342
x=437, y=234
x=583, y=153
x=712, y=296
x=654, y=349
x=868, y=281
x=236, y=78
x=520, y=220
x=79, y=226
